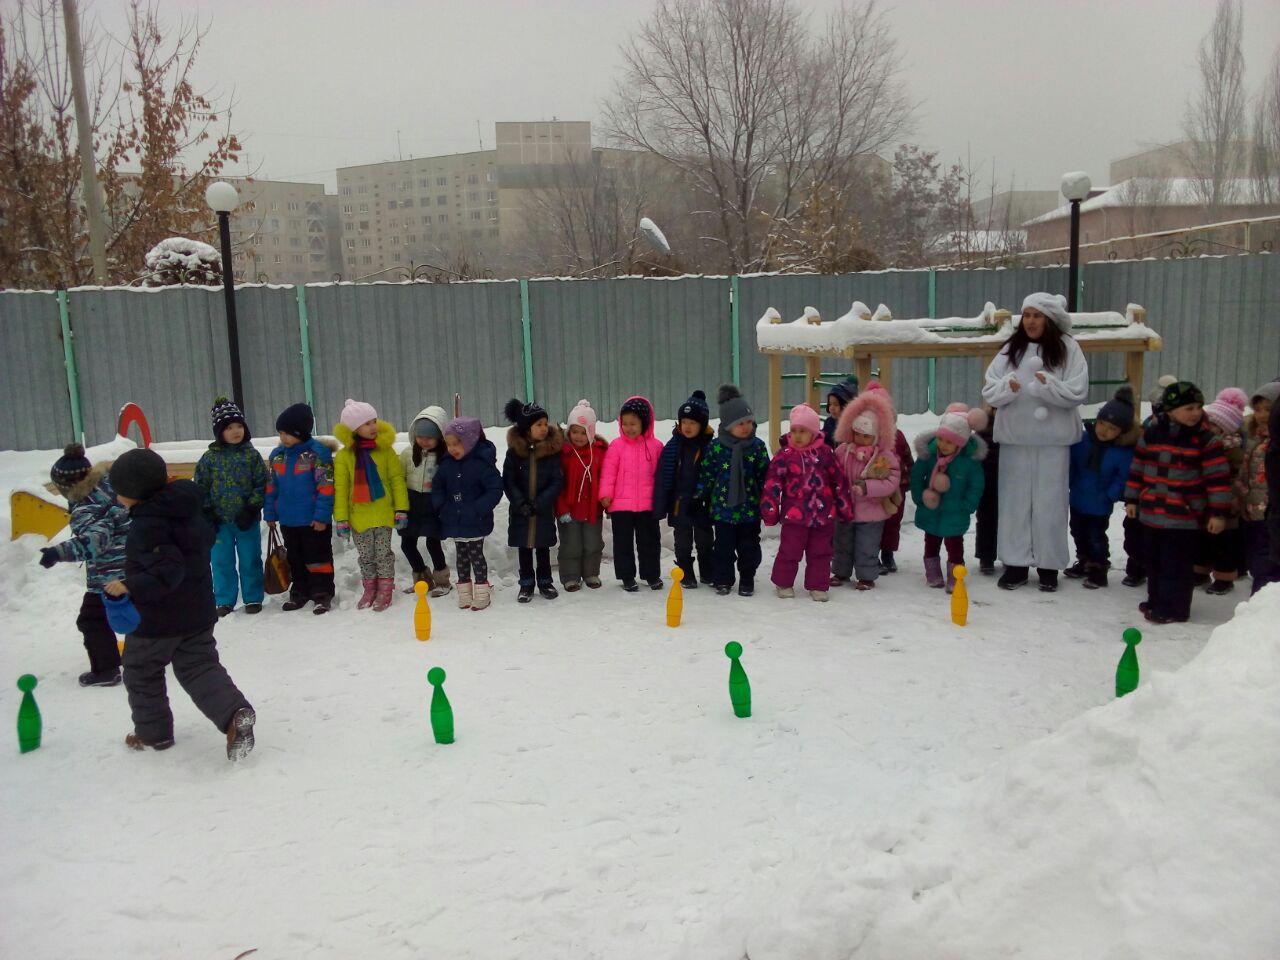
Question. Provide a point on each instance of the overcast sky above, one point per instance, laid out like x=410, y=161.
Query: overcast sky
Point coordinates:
x=1037, y=86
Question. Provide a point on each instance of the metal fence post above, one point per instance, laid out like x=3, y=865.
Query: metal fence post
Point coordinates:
x=931, y=396
x=69, y=358
x=526, y=326
x=305, y=334
x=735, y=331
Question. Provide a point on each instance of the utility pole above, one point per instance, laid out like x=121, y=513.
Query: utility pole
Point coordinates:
x=89, y=185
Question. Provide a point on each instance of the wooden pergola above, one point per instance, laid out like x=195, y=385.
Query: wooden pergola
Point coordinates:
x=864, y=357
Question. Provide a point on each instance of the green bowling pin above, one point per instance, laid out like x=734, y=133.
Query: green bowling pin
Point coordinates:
x=29, y=723
x=739, y=685
x=1127, y=670
x=441, y=712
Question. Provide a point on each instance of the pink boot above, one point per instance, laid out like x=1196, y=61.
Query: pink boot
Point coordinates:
x=370, y=590
x=933, y=571
x=386, y=590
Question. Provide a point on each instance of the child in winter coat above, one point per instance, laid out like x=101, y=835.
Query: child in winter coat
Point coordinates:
x=675, y=489
x=806, y=491
x=1099, y=471
x=1224, y=554
x=532, y=479
x=419, y=461
x=946, y=486
x=1135, y=568
x=465, y=491
x=1178, y=483
x=99, y=527
x=166, y=576
x=234, y=478
x=866, y=454
x=839, y=396
x=578, y=506
x=370, y=498
x=731, y=481
x=891, y=539
x=989, y=506
x=300, y=499
x=1252, y=486
x=626, y=491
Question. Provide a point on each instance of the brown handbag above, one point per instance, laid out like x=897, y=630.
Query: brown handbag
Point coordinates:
x=276, y=577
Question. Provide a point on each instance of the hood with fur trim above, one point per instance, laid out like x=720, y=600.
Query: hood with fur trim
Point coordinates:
x=522, y=446
x=78, y=491
x=385, y=439
x=975, y=449
x=881, y=405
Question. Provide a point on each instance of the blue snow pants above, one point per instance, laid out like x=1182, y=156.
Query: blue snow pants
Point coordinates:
x=245, y=547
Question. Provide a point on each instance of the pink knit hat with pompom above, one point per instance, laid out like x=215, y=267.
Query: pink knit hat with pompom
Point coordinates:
x=583, y=416
x=959, y=421
x=356, y=413
x=1226, y=410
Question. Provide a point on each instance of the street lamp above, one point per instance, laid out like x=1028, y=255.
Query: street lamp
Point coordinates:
x=1075, y=187
x=222, y=199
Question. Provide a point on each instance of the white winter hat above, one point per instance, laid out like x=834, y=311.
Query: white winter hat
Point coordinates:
x=583, y=416
x=355, y=413
x=959, y=422
x=1052, y=305
x=865, y=422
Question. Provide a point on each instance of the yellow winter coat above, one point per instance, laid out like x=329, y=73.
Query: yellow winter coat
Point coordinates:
x=380, y=513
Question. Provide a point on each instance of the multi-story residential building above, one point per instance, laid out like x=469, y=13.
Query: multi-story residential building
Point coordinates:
x=284, y=232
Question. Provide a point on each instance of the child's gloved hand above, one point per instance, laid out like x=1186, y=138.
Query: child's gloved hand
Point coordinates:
x=48, y=557
x=566, y=518
x=342, y=529
x=247, y=517
x=402, y=520
x=525, y=509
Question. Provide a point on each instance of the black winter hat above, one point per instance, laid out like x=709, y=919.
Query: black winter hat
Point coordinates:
x=1180, y=394
x=846, y=391
x=224, y=414
x=524, y=415
x=297, y=421
x=1120, y=410
x=695, y=408
x=641, y=409
x=72, y=467
x=139, y=474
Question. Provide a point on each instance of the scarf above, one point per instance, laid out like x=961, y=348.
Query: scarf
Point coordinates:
x=1096, y=451
x=736, y=495
x=366, y=485
x=940, y=466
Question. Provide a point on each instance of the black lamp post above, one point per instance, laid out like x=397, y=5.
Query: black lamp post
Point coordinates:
x=222, y=199
x=1075, y=187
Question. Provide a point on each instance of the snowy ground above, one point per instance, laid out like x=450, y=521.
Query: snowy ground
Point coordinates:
x=905, y=788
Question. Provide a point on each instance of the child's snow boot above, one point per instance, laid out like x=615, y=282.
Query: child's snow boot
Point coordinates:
x=386, y=591
x=135, y=742
x=440, y=580
x=1048, y=580
x=464, y=595
x=594, y=583
x=1012, y=578
x=1095, y=576
x=887, y=563
x=370, y=592
x=293, y=603
x=572, y=586
x=933, y=571
x=240, y=733
x=526, y=593
x=746, y=587
x=100, y=678
x=548, y=590
x=1077, y=571
x=481, y=594
x=821, y=596
x=322, y=605
x=417, y=575
x=865, y=585
x=784, y=593
x=951, y=576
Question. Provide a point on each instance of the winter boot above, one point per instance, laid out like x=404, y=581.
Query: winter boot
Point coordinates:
x=240, y=732
x=322, y=605
x=820, y=596
x=526, y=593
x=572, y=586
x=1012, y=578
x=464, y=594
x=986, y=567
x=887, y=563
x=785, y=593
x=100, y=678
x=386, y=591
x=481, y=593
x=724, y=589
x=439, y=579
x=135, y=742
x=630, y=586
x=865, y=585
x=224, y=611
x=417, y=575
x=293, y=603
x=548, y=591
x=951, y=576
x=1077, y=571
x=933, y=571
x=252, y=608
x=746, y=587
x=1095, y=577
x=1220, y=587
x=1048, y=580
x=1134, y=578
x=594, y=583
x=370, y=592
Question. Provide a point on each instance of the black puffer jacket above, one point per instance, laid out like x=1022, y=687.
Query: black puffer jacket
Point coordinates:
x=166, y=563
x=531, y=474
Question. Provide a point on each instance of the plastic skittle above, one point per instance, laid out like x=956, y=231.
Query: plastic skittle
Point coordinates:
x=441, y=711
x=421, y=612
x=739, y=685
x=960, y=597
x=1127, y=668
x=675, y=599
x=29, y=723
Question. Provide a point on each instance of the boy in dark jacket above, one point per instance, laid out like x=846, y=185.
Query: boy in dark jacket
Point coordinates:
x=532, y=479
x=99, y=526
x=675, y=488
x=1099, y=470
x=233, y=477
x=166, y=575
x=1179, y=477
x=464, y=491
x=299, y=497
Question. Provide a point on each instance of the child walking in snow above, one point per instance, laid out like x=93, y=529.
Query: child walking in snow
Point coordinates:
x=946, y=486
x=300, y=499
x=730, y=481
x=806, y=491
x=419, y=461
x=1099, y=471
x=867, y=438
x=370, y=498
x=234, y=478
x=1252, y=489
x=675, y=489
x=99, y=527
x=578, y=506
x=626, y=491
x=1223, y=554
x=465, y=491
x=532, y=479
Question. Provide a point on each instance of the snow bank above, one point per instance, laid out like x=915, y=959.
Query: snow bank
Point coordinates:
x=1144, y=828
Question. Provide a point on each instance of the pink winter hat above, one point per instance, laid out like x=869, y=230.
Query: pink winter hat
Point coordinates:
x=1226, y=410
x=959, y=421
x=355, y=413
x=806, y=418
x=583, y=416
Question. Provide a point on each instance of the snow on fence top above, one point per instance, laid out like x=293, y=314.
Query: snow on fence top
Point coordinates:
x=860, y=327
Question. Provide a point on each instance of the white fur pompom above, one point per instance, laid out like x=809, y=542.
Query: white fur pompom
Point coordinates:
x=1042, y=413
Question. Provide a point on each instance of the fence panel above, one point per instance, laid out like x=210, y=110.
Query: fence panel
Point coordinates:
x=270, y=353
x=33, y=376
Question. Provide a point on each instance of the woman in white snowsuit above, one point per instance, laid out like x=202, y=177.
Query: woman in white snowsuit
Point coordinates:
x=1037, y=383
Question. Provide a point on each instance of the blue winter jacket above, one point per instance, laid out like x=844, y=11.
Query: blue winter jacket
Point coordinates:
x=99, y=528
x=1096, y=492
x=465, y=492
x=300, y=484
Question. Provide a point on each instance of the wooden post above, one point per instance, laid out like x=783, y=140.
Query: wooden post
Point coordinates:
x=886, y=373
x=862, y=367
x=812, y=371
x=1133, y=361
x=775, y=401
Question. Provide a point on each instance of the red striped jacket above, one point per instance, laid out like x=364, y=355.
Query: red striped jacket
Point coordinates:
x=1179, y=477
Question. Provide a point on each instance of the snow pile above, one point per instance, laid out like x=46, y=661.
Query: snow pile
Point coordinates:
x=1144, y=828
x=178, y=260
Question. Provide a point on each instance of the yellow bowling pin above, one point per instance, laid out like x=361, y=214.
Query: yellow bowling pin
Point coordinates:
x=675, y=599
x=960, y=597
x=421, y=612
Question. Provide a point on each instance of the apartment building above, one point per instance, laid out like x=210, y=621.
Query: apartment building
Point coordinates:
x=284, y=232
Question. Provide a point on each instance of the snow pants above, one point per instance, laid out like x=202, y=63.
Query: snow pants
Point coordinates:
x=687, y=538
x=1090, y=535
x=1170, y=556
x=195, y=665
x=867, y=540
x=1033, y=506
x=736, y=544
x=581, y=550
x=99, y=639
x=815, y=545
x=235, y=547
x=636, y=532
x=1258, y=547
x=310, y=562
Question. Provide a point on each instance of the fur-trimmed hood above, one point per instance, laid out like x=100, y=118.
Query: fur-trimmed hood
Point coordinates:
x=90, y=481
x=975, y=449
x=385, y=439
x=878, y=402
x=522, y=446
x=1129, y=438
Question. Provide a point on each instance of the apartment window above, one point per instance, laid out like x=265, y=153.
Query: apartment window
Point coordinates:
x=348, y=225
x=492, y=196
x=393, y=224
x=493, y=231
x=293, y=205
x=295, y=224
x=488, y=177
x=366, y=242
x=407, y=202
x=346, y=191
x=275, y=241
x=364, y=224
x=368, y=259
x=351, y=261
x=493, y=216
x=473, y=178
x=295, y=241
x=427, y=235
x=395, y=241
x=427, y=219
x=443, y=218
x=475, y=214
x=275, y=205
x=346, y=208
x=351, y=244
x=395, y=257
x=363, y=188
x=317, y=258
x=406, y=184
x=257, y=241
x=444, y=234
x=441, y=181
x=278, y=258
x=473, y=196
x=296, y=258
x=424, y=182
x=391, y=204
x=364, y=208
x=275, y=223
x=441, y=200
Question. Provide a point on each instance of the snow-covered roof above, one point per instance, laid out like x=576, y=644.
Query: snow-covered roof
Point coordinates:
x=1157, y=191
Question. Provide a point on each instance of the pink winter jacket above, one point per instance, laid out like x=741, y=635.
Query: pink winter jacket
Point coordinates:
x=805, y=487
x=629, y=467
x=875, y=466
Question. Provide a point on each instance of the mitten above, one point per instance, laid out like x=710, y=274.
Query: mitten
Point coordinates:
x=566, y=518
x=402, y=520
x=247, y=517
x=342, y=528
x=48, y=557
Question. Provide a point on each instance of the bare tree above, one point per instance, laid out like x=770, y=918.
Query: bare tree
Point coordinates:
x=1264, y=160
x=1214, y=123
x=755, y=110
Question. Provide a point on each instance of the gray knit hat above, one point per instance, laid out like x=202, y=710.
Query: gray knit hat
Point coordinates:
x=733, y=406
x=1268, y=391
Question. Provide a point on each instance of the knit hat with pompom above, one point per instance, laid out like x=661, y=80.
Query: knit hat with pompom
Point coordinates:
x=959, y=421
x=1226, y=410
x=524, y=415
x=582, y=415
x=356, y=413
x=70, y=468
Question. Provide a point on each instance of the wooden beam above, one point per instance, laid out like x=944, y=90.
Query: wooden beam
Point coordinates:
x=862, y=367
x=775, y=401
x=812, y=371
x=886, y=373
x=1133, y=361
